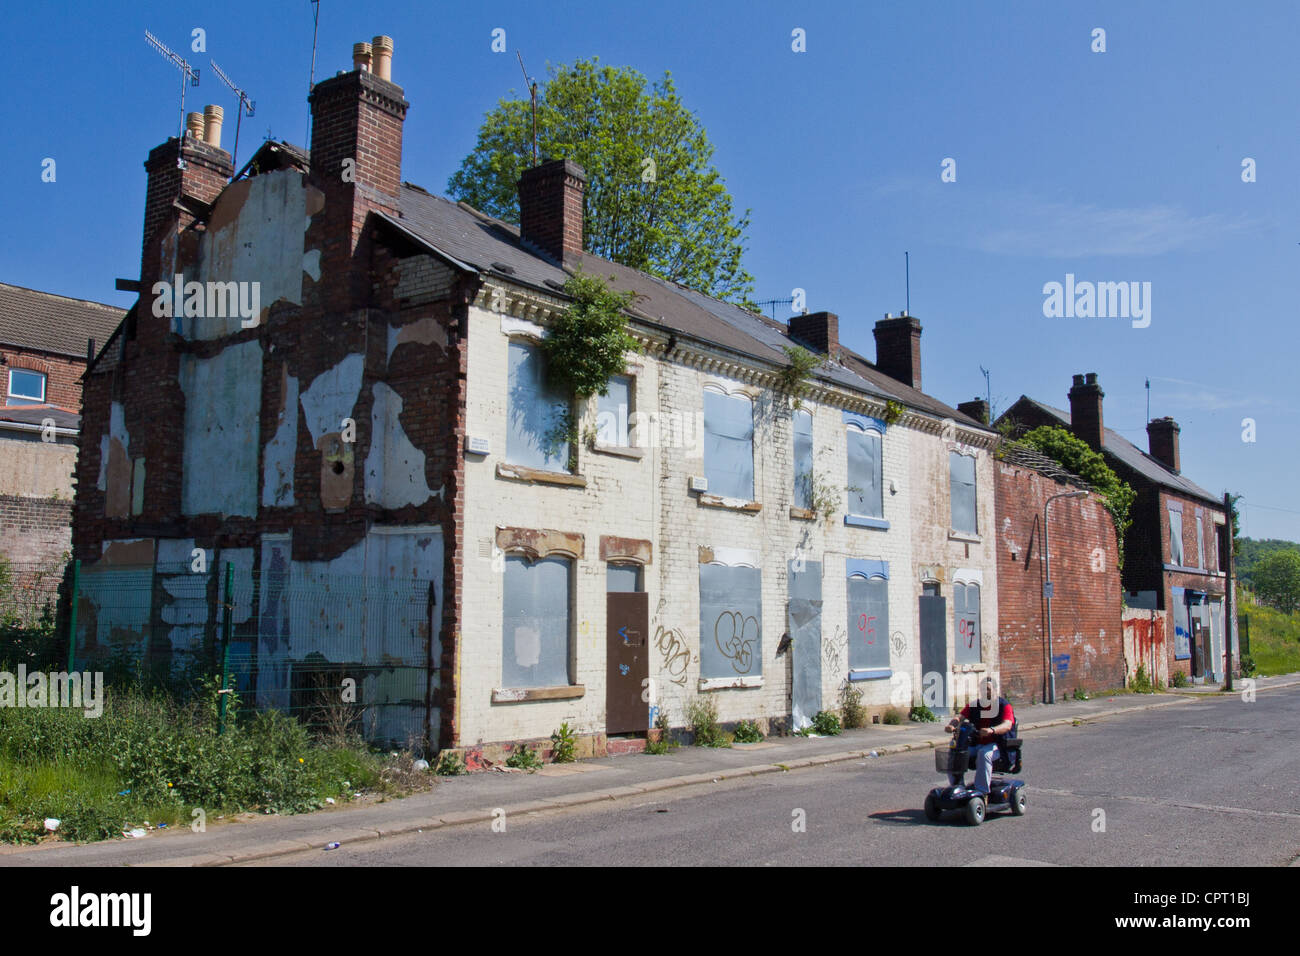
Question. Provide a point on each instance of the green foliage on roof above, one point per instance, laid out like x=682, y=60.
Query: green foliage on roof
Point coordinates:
x=1075, y=456
x=588, y=342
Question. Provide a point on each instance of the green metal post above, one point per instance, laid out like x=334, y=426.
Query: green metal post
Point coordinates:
x=225, y=645
x=72, y=614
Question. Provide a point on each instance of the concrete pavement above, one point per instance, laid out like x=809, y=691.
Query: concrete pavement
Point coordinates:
x=474, y=799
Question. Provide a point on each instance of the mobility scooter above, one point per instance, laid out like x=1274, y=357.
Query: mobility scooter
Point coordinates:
x=957, y=758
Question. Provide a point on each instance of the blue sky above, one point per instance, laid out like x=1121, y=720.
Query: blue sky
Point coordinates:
x=1117, y=166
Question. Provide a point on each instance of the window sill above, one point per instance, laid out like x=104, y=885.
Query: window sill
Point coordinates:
x=620, y=451
x=969, y=668
x=537, y=476
x=870, y=673
x=519, y=695
x=1183, y=569
x=803, y=514
x=964, y=536
x=730, y=504
x=723, y=683
x=862, y=521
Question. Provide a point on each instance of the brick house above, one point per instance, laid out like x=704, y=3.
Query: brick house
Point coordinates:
x=387, y=415
x=45, y=341
x=1087, y=647
x=1173, y=552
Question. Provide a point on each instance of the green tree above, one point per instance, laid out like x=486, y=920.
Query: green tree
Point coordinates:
x=654, y=202
x=1277, y=580
x=1077, y=457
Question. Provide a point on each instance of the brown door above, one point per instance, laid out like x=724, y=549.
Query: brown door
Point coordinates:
x=627, y=662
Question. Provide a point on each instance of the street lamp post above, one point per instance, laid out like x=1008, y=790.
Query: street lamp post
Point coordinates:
x=1047, y=553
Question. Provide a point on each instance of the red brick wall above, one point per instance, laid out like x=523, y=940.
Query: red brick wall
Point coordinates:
x=1086, y=606
x=62, y=374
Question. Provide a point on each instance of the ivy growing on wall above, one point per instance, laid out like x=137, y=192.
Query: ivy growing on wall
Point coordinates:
x=588, y=342
x=794, y=377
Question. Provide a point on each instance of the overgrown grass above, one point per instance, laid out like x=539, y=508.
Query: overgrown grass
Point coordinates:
x=1274, y=639
x=149, y=758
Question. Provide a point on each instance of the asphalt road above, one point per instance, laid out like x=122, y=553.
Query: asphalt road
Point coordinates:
x=1214, y=782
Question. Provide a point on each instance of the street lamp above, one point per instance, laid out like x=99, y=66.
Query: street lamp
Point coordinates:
x=1047, y=587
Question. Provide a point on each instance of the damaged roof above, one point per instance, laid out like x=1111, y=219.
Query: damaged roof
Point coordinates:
x=473, y=240
x=1134, y=458
x=45, y=322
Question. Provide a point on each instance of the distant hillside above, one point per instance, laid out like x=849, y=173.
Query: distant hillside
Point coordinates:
x=1252, y=552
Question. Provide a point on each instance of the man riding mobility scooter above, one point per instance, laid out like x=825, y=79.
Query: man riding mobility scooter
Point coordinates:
x=984, y=740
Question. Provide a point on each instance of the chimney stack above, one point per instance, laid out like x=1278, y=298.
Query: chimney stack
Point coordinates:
x=1162, y=435
x=550, y=207
x=193, y=167
x=212, y=116
x=1085, y=411
x=898, y=348
x=356, y=161
x=819, y=331
x=976, y=408
x=381, y=57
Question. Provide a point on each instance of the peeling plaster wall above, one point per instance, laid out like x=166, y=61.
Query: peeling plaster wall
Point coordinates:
x=331, y=398
x=394, y=468
x=115, y=464
x=278, y=455
x=256, y=234
x=222, y=420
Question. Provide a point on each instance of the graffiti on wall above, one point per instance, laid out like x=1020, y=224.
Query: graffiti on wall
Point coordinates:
x=734, y=634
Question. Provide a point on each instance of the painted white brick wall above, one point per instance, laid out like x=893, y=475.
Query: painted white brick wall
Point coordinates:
x=648, y=499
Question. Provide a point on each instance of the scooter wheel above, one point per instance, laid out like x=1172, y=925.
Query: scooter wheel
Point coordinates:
x=975, y=811
x=932, y=811
x=1018, y=802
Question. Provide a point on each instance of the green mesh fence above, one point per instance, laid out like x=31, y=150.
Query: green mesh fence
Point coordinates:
x=342, y=654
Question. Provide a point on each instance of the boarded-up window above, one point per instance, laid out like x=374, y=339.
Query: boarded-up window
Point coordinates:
x=1175, y=538
x=613, y=411
x=729, y=445
x=536, y=416
x=864, y=473
x=803, y=460
x=868, y=623
x=966, y=618
x=731, y=620
x=535, y=646
x=961, y=474
x=1182, y=628
x=1200, y=542
x=623, y=578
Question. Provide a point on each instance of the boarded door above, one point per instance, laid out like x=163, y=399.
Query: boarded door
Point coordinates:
x=805, y=624
x=627, y=666
x=934, y=652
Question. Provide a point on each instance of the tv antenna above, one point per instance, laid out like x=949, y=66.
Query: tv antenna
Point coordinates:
x=907, y=285
x=774, y=303
x=532, y=87
x=311, y=79
x=988, y=390
x=244, y=104
x=187, y=73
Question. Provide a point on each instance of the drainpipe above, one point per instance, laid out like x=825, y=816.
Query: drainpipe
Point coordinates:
x=1047, y=553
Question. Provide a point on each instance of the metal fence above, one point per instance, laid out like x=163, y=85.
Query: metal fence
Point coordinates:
x=348, y=653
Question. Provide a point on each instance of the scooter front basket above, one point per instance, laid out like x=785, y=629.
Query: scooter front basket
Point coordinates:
x=951, y=759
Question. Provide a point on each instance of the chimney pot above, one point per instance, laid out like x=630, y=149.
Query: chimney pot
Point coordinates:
x=361, y=56
x=898, y=349
x=212, y=118
x=1085, y=411
x=382, y=57
x=194, y=125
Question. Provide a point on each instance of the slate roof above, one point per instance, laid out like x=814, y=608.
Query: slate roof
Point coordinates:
x=1135, y=458
x=46, y=322
x=36, y=415
x=480, y=243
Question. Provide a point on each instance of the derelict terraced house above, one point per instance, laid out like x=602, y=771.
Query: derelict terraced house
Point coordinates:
x=388, y=418
x=1174, y=550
